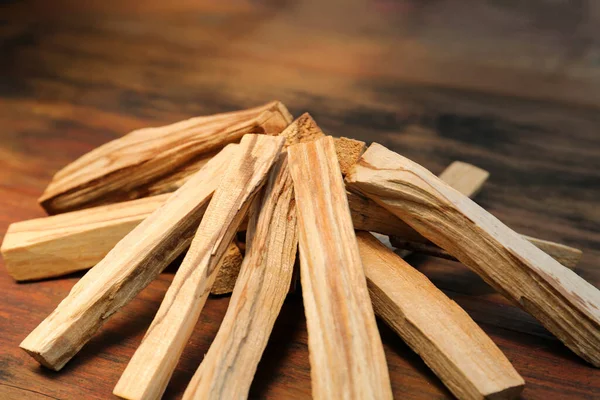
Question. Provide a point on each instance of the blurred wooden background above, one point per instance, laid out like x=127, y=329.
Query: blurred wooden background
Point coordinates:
x=511, y=86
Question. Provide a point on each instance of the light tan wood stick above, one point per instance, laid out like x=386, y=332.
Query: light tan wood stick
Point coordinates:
x=468, y=180
x=133, y=165
x=435, y=327
x=346, y=354
x=563, y=302
x=133, y=263
x=264, y=281
x=152, y=365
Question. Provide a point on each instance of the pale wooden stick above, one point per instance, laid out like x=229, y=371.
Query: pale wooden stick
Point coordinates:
x=435, y=327
x=264, y=281
x=346, y=354
x=563, y=302
x=228, y=369
x=129, y=267
x=133, y=165
x=149, y=370
x=468, y=180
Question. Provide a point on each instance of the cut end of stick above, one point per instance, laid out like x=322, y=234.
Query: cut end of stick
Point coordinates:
x=348, y=152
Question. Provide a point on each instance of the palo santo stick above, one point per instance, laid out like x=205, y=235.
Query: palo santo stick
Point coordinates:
x=129, y=167
x=435, y=327
x=346, y=354
x=567, y=256
x=468, y=180
x=264, y=281
x=229, y=366
x=150, y=368
x=563, y=302
x=133, y=263
x=61, y=244
x=57, y=245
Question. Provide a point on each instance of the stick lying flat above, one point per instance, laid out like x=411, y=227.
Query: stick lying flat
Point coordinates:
x=229, y=366
x=228, y=369
x=564, y=303
x=435, y=327
x=132, y=166
x=150, y=369
x=133, y=263
x=346, y=354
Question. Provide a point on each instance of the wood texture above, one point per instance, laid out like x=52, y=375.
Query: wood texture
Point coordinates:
x=435, y=327
x=151, y=367
x=76, y=75
x=128, y=167
x=348, y=152
x=137, y=259
x=57, y=245
x=228, y=369
x=564, y=303
x=346, y=355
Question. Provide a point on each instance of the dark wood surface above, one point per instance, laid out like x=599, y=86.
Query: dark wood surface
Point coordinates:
x=513, y=87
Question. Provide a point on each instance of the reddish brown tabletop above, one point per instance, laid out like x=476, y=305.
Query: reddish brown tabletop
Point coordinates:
x=513, y=87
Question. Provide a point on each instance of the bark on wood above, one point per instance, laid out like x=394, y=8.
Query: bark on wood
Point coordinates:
x=133, y=263
x=150, y=369
x=435, y=327
x=563, y=302
x=346, y=354
x=134, y=165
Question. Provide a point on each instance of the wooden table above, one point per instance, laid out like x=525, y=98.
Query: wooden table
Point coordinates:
x=511, y=88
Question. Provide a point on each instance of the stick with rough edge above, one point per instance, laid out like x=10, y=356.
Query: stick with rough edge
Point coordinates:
x=227, y=370
x=563, y=302
x=150, y=368
x=128, y=268
x=345, y=349
x=157, y=160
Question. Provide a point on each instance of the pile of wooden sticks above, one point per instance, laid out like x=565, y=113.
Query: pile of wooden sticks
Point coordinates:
x=131, y=206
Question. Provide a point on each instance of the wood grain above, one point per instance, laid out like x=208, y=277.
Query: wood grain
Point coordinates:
x=151, y=367
x=564, y=303
x=128, y=167
x=227, y=370
x=134, y=262
x=346, y=355
x=435, y=327
x=76, y=75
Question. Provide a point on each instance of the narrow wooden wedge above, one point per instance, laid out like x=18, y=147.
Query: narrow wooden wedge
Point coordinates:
x=346, y=354
x=435, y=327
x=149, y=370
x=133, y=263
x=563, y=302
x=264, y=281
x=134, y=165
